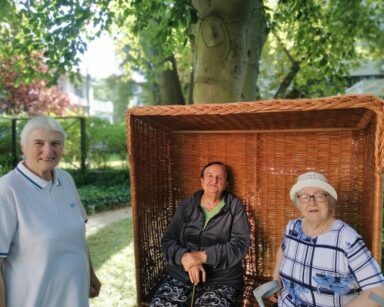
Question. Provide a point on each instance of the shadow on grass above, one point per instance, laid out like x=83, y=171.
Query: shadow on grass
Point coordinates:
x=109, y=241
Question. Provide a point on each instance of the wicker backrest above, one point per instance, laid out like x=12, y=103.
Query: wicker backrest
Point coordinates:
x=267, y=144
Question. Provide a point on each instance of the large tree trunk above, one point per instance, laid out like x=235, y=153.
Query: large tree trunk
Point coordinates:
x=228, y=40
x=169, y=85
x=164, y=79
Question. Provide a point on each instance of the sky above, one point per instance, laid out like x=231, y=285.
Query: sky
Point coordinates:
x=100, y=58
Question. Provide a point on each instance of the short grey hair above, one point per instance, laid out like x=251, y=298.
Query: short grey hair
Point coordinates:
x=41, y=122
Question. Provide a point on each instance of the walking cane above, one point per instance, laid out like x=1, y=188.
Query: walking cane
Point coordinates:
x=194, y=292
x=193, y=295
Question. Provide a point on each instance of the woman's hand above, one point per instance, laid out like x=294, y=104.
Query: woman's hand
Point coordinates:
x=94, y=288
x=194, y=274
x=191, y=259
x=274, y=298
x=94, y=282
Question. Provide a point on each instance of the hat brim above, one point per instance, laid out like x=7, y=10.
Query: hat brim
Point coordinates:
x=312, y=183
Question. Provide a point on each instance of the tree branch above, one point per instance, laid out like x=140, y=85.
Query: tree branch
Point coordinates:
x=295, y=67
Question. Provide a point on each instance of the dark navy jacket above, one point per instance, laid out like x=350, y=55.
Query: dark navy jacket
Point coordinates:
x=225, y=240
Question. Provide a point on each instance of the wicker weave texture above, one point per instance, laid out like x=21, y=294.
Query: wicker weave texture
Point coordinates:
x=168, y=145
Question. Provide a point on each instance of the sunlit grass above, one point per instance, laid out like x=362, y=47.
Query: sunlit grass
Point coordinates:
x=112, y=162
x=112, y=255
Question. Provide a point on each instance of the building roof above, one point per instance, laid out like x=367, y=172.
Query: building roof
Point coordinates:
x=368, y=86
x=368, y=68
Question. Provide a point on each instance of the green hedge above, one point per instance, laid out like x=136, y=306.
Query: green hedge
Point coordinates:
x=102, y=198
x=102, y=189
x=100, y=177
x=5, y=146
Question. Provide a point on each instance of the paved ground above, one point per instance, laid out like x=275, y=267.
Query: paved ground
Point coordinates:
x=99, y=220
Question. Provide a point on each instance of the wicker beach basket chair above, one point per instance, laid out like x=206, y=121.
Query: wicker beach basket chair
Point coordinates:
x=267, y=144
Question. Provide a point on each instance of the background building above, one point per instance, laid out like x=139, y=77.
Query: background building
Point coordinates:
x=81, y=96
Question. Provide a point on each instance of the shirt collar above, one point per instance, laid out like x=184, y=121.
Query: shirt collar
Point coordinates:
x=37, y=181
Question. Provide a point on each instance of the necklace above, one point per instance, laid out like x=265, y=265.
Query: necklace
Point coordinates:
x=319, y=231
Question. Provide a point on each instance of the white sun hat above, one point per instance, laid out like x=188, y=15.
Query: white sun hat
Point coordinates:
x=312, y=180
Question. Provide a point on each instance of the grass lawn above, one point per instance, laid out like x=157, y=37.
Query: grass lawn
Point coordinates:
x=112, y=256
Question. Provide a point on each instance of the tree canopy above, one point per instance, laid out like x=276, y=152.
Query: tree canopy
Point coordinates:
x=200, y=51
x=55, y=28
x=34, y=97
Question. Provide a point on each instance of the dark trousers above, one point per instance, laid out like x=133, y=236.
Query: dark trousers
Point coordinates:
x=174, y=293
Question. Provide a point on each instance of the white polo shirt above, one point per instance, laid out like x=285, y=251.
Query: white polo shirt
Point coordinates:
x=42, y=237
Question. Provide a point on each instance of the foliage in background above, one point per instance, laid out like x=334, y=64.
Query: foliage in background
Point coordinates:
x=124, y=92
x=5, y=146
x=118, y=90
x=6, y=157
x=158, y=48
x=103, y=140
x=312, y=44
x=102, y=190
x=318, y=41
x=103, y=198
x=100, y=177
x=32, y=97
x=56, y=28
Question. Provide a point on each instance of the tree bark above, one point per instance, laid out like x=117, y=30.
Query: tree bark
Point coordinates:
x=228, y=39
x=169, y=85
x=284, y=85
x=295, y=67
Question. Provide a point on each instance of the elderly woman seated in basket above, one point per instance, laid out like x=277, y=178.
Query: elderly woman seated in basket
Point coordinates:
x=204, y=246
x=323, y=261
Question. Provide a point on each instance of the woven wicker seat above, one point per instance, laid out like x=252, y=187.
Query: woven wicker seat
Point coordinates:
x=267, y=144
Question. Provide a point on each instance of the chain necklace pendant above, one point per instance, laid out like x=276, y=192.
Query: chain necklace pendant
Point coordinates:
x=317, y=232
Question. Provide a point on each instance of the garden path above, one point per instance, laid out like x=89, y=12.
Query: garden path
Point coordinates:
x=99, y=220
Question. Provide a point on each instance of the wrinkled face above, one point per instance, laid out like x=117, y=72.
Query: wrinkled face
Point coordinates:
x=314, y=204
x=214, y=180
x=43, y=151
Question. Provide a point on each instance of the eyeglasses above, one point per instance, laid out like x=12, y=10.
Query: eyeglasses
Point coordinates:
x=319, y=198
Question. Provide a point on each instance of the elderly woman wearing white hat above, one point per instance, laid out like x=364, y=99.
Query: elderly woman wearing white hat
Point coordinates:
x=323, y=261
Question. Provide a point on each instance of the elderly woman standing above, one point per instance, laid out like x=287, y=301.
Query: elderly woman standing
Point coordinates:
x=43, y=250
x=204, y=246
x=323, y=261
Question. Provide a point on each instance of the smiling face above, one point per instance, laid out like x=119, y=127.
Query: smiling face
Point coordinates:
x=43, y=150
x=214, y=180
x=314, y=211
